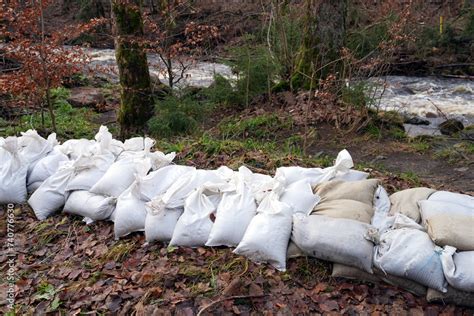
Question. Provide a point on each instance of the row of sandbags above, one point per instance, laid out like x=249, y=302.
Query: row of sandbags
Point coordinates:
x=332, y=214
x=413, y=246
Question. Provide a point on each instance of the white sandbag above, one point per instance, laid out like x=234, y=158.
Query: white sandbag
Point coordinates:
x=138, y=143
x=90, y=205
x=337, y=240
x=120, y=175
x=140, y=148
x=85, y=178
x=159, y=181
x=177, y=193
x=267, y=236
x=160, y=224
x=457, y=198
x=458, y=268
x=13, y=172
x=260, y=184
x=351, y=175
x=194, y=226
x=317, y=175
x=33, y=147
x=299, y=195
x=234, y=213
x=381, y=208
x=51, y=195
x=46, y=167
x=449, y=224
x=74, y=148
x=130, y=213
x=410, y=253
x=32, y=187
x=106, y=144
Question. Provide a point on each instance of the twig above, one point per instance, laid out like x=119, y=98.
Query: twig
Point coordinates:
x=438, y=109
x=235, y=297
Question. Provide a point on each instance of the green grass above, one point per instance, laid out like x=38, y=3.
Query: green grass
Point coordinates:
x=411, y=178
x=455, y=153
x=260, y=127
x=70, y=122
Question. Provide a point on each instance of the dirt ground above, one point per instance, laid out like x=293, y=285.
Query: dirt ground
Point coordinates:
x=400, y=158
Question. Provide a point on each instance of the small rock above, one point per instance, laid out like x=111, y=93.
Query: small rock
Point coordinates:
x=87, y=97
x=431, y=115
x=450, y=127
x=415, y=120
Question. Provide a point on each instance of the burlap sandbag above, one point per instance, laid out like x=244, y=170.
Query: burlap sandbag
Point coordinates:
x=294, y=251
x=343, y=271
x=453, y=296
x=343, y=208
x=406, y=202
x=449, y=224
x=362, y=191
x=348, y=272
x=406, y=284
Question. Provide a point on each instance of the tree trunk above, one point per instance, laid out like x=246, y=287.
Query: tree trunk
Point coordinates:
x=324, y=34
x=136, y=101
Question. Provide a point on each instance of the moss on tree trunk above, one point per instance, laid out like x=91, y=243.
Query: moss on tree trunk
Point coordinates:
x=319, y=54
x=136, y=101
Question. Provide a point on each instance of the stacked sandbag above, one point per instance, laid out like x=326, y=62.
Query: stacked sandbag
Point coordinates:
x=406, y=202
x=131, y=212
x=267, y=236
x=350, y=200
x=13, y=172
x=381, y=209
x=92, y=207
x=45, y=168
x=171, y=194
x=449, y=224
x=159, y=221
x=458, y=268
x=299, y=195
x=33, y=147
x=338, y=240
x=80, y=201
x=234, y=213
x=407, y=251
x=449, y=218
x=51, y=195
x=314, y=176
x=194, y=225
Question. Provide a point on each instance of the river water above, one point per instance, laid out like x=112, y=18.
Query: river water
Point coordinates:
x=431, y=98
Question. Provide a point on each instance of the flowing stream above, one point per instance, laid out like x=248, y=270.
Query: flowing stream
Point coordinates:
x=429, y=98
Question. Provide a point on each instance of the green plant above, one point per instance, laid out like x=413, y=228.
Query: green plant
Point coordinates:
x=357, y=94
x=410, y=177
x=397, y=133
x=257, y=71
x=220, y=92
x=261, y=127
x=177, y=115
x=373, y=130
x=70, y=122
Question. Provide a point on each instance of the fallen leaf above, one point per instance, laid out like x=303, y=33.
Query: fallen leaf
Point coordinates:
x=233, y=288
x=328, y=306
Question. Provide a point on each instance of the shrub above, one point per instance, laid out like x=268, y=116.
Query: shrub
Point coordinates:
x=177, y=115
